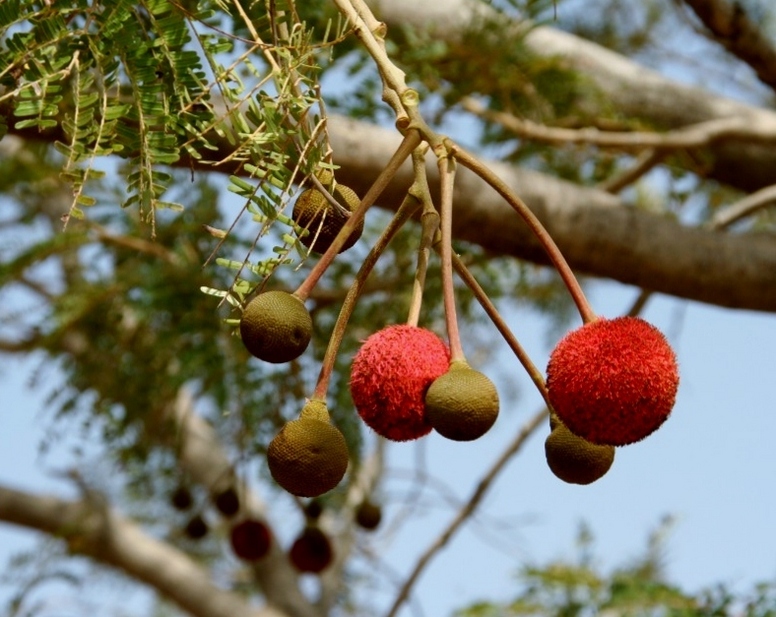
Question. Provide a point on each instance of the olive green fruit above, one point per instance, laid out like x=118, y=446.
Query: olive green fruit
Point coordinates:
x=227, y=501
x=462, y=404
x=575, y=460
x=313, y=510
x=276, y=327
x=369, y=515
x=321, y=220
x=181, y=498
x=308, y=457
x=316, y=409
x=554, y=420
x=196, y=528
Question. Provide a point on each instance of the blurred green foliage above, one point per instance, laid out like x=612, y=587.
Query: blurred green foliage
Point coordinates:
x=580, y=587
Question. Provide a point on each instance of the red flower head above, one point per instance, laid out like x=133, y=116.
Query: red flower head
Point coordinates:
x=613, y=381
x=389, y=378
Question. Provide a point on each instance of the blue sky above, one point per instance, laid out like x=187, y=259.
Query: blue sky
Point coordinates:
x=711, y=466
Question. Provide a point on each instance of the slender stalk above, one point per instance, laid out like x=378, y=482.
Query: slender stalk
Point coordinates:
x=407, y=208
x=408, y=144
x=447, y=178
x=429, y=222
x=533, y=372
x=552, y=250
x=328, y=196
x=467, y=509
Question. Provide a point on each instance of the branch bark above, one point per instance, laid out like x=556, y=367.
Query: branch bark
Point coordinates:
x=93, y=530
x=598, y=233
x=630, y=89
x=732, y=28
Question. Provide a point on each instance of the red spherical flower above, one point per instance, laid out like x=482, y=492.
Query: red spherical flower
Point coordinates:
x=389, y=378
x=250, y=539
x=613, y=381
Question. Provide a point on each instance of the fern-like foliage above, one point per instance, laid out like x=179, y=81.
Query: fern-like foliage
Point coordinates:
x=157, y=83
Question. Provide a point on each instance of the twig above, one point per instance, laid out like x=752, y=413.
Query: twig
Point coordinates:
x=371, y=33
x=689, y=137
x=748, y=205
x=135, y=244
x=467, y=510
x=645, y=162
x=640, y=302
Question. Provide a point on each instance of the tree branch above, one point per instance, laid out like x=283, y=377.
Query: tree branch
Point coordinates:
x=101, y=534
x=630, y=89
x=743, y=208
x=468, y=508
x=698, y=135
x=598, y=233
x=731, y=27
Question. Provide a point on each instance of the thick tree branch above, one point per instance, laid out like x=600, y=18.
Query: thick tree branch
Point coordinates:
x=630, y=89
x=596, y=231
x=729, y=25
x=93, y=530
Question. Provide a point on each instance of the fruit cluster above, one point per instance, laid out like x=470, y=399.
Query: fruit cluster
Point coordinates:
x=250, y=538
x=609, y=383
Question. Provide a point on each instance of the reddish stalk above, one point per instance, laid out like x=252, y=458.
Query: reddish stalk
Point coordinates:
x=552, y=250
x=408, y=144
x=534, y=373
x=407, y=208
x=447, y=178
